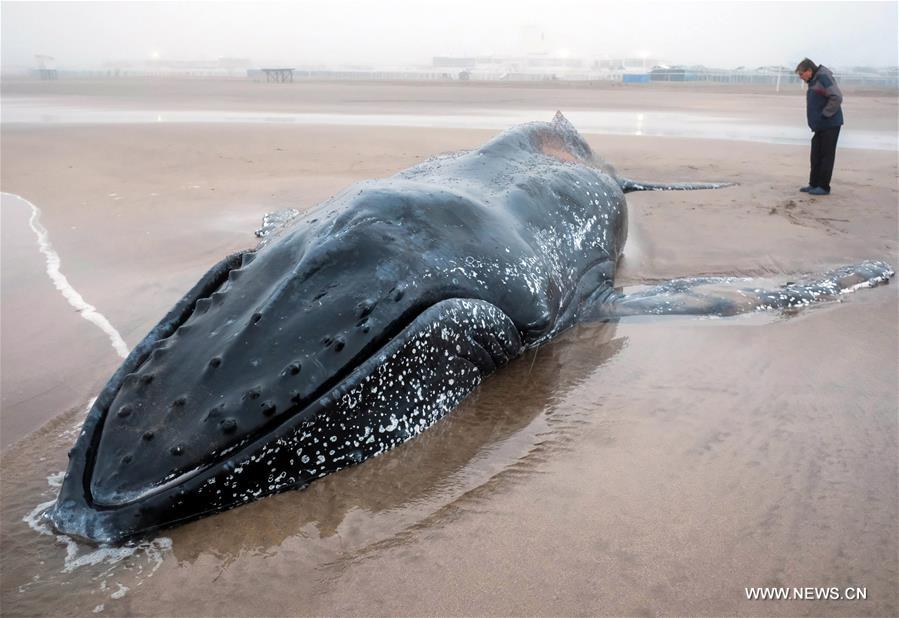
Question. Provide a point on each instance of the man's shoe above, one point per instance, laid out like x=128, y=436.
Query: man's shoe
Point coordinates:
x=818, y=191
x=806, y=188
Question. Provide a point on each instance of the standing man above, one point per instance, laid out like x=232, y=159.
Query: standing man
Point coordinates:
x=825, y=117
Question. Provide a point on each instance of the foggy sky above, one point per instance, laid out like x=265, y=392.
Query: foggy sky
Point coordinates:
x=340, y=32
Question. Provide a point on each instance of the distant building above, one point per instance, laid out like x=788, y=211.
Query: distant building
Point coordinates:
x=46, y=67
x=666, y=74
x=530, y=67
x=544, y=66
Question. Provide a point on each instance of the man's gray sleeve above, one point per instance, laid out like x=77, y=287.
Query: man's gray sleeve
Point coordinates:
x=834, y=97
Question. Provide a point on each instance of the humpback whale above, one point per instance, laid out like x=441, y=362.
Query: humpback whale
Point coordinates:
x=355, y=326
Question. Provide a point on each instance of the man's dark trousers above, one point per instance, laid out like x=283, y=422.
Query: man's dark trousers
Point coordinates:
x=824, y=151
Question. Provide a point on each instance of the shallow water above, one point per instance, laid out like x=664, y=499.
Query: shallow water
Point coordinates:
x=661, y=124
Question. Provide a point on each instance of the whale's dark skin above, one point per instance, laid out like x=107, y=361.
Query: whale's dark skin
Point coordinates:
x=354, y=329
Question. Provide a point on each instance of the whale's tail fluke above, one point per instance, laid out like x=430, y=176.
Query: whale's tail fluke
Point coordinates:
x=627, y=185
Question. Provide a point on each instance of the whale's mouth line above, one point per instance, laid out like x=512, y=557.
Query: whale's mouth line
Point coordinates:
x=340, y=378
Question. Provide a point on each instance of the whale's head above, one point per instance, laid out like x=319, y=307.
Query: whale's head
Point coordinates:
x=261, y=343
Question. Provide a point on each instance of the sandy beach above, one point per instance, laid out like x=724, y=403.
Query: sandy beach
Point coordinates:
x=643, y=467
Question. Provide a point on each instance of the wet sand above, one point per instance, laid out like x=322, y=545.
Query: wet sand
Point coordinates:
x=643, y=467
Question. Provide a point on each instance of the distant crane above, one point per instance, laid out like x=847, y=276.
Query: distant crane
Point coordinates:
x=45, y=71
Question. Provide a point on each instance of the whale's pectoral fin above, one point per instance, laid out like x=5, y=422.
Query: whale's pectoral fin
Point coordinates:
x=726, y=296
x=627, y=185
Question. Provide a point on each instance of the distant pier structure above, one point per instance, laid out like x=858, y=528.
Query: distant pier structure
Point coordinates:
x=278, y=75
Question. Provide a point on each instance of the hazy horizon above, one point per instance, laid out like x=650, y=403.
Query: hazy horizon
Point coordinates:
x=719, y=34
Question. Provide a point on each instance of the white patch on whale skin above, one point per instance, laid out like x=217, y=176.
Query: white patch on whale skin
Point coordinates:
x=86, y=310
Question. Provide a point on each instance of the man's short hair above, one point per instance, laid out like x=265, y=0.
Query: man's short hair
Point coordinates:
x=806, y=64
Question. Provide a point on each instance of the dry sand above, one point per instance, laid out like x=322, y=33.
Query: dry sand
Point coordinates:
x=644, y=467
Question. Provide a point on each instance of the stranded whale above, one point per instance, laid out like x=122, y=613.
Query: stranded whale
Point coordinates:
x=355, y=327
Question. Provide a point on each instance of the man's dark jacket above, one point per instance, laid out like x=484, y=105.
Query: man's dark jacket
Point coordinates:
x=822, y=101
